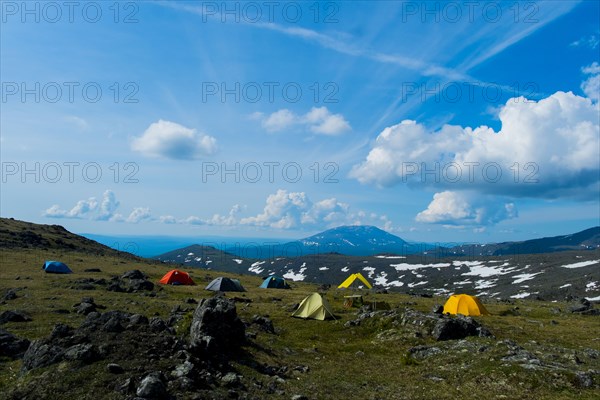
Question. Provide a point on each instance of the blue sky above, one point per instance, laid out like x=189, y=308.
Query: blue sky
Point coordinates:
x=437, y=121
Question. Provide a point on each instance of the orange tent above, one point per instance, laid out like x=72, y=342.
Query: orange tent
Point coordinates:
x=176, y=277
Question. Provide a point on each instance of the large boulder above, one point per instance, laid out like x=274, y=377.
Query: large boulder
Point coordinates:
x=459, y=327
x=12, y=346
x=14, y=316
x=216, y=326
x=41, y=354
x=152, y=387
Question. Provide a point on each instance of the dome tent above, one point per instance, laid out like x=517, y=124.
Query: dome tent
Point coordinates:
x=176, y=277
x=314, y=306
x=222, y=284
x=56, y=267
x=465, y=305
x=274, y=282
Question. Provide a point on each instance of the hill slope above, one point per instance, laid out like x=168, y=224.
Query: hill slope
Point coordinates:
x=588, y=239
x=15, y=234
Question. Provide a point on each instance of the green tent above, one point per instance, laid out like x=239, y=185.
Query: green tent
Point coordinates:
x=314, y=307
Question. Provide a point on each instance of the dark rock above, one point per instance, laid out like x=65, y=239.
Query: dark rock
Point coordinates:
x=584, y=305
x=437, y=309
x=128, y=386
x=12, y=346
x=152, y=387
x=81, y=352
x=264, y=323
x=216, y=326
x=158, y=325
x=137, y=320
x=115, y=368
x=113, y=325
x=134, y=274
x=115, y=287
x=10, y=295
x=61, y=331
x=584, y=380
x=189, y=300
x=449, y=328
x=140, y=284
x=92, y=270
x=85, y=308
x=14, y=316
x=41, y=354
x=592, y=311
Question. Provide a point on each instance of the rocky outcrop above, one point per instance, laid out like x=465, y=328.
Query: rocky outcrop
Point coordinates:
x=216, y=327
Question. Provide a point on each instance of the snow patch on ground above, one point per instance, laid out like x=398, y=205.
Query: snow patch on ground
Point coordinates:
x=411, y=285
x=370, y=271
x=483, y=284
x=323, y=269
x=565, y=285
x=407, y=267
x=390, y=257
x=520, y=295
x=597, y=298
x=255, y=267
x=524, y=277
x=291, y=275
x=487, y=271
x=581, y=264
x=345, y=269
x=591, y=286
x=465, y=282
x=238, y=260
x=467, y=263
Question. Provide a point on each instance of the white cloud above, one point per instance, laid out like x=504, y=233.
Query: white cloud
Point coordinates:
x=171, y=140
x=591, y=41
x=83, y=209
x=318, y=120
x=459, y=208
x=591, y=86
x=106, y=210
x=167, y=219
x=544, y=149
x=139, y=214
x=109, y=206
x=279, y=120
x=290, y=210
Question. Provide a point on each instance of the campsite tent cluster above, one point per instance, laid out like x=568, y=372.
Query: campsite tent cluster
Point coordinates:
x=314, y=306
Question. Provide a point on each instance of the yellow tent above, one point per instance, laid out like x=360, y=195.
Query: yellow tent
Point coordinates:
x=314, y=307
x=352, y=278
x=465, y=305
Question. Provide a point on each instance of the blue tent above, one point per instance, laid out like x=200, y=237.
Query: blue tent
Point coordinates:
x=56, y=267
x=274, y=282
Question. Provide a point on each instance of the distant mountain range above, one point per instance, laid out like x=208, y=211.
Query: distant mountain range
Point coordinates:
x=585, y=240
x=570, y=265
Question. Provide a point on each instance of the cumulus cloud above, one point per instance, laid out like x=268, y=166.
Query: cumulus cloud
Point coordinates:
x=170, y=140
x=82, y=209
x=461, y=208
x=106, y=210
x=544, y=149
x=318, y=120
x=139, y=214
x=591, y=86
x=290, y=210
x=108, y=206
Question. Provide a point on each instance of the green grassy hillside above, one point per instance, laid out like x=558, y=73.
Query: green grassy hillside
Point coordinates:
x=352, y=361
x=540, y=350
